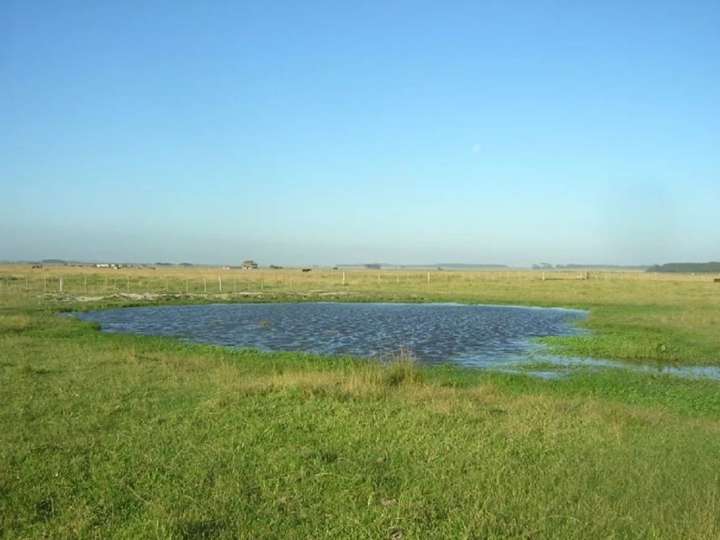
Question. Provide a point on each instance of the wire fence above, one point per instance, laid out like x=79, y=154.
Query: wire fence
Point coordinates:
x=90, y=281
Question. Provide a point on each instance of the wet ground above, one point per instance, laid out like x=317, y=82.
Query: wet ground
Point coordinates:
x=463, y=334
x=491, y=337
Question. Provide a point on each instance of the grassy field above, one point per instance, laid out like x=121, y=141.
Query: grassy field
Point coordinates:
x=636, y=316
x=128, y=437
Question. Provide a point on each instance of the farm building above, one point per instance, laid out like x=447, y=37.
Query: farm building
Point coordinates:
x=249, y=265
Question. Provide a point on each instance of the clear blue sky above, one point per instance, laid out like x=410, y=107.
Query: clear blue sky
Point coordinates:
x=335, y=132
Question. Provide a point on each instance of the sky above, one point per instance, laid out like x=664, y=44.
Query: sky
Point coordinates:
x=309, y=132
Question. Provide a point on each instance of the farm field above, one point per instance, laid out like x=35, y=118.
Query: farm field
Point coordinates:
x=136, y=437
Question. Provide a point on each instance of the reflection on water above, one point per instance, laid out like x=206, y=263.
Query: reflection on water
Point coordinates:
x=500, y=338
x=562, y=366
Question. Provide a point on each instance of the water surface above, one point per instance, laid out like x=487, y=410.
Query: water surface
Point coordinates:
x=471, y=335
x=502, y=338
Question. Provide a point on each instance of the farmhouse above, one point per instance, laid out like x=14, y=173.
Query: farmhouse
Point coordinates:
x=249, y=265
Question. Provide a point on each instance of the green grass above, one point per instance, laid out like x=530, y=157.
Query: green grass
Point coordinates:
x=637, y=317
x=112, y=436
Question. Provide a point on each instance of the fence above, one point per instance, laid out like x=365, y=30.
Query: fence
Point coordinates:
x=206, y=281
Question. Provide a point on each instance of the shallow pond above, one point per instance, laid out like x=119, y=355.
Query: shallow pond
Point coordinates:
x=492, y=337
x=470, y=335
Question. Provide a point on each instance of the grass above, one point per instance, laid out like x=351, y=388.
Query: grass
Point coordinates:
x=634, y=316
x=114, y=436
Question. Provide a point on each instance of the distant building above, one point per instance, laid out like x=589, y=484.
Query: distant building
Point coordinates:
x=249, y=265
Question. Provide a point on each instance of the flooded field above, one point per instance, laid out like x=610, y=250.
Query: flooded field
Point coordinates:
x=470, y=335
x=483, y=336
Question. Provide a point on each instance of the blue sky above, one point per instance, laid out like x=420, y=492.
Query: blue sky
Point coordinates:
x=335, y=132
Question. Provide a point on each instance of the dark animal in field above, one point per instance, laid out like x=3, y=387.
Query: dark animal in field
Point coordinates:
x=37, y=265
x=306, y=269
x=717, y=280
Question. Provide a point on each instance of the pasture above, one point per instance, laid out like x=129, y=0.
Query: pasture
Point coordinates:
x=116, y=436
x=635, y=316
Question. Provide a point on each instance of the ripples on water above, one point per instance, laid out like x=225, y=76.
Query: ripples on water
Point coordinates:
x=494, y=337
x=464, y=334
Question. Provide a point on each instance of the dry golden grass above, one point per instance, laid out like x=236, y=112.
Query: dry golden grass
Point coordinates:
x=77, y=278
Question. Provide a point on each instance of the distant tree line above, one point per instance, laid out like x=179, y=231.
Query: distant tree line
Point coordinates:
x=713, y=267
x=548, y=266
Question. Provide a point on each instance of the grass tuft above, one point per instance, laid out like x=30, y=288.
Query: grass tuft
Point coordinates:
x=402, y=369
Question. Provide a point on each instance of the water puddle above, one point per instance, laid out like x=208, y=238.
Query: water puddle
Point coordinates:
x=501, y=338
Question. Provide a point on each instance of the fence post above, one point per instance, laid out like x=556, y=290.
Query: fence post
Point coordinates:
x=219, y=283
x=343, y=278
x=60, y=284
x=205, y=285
x=428, y=277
